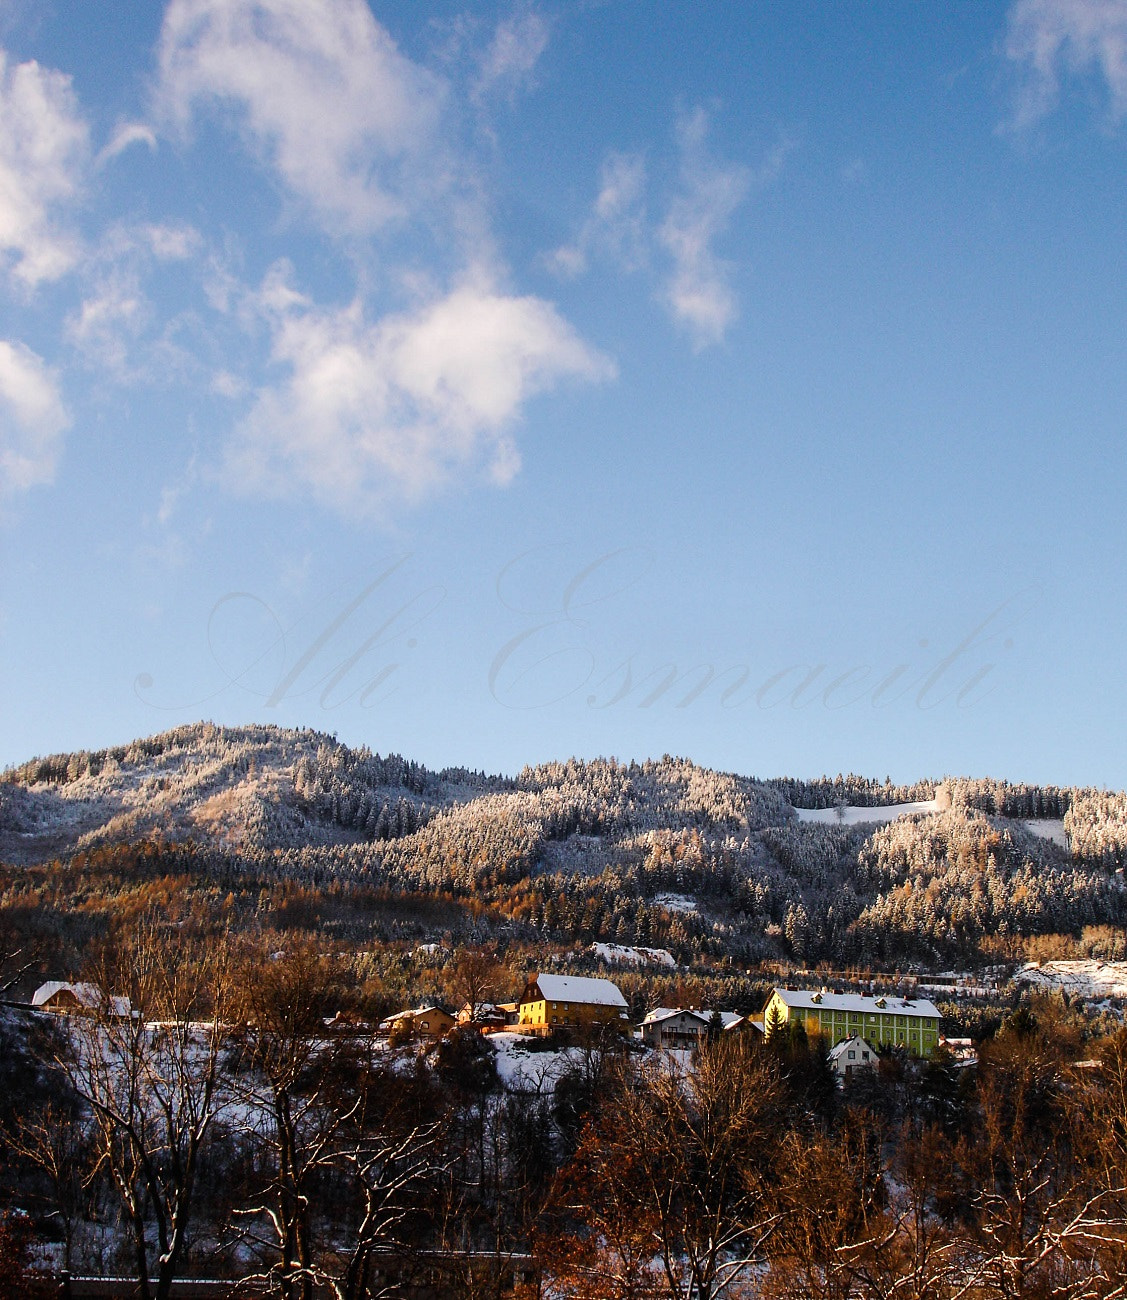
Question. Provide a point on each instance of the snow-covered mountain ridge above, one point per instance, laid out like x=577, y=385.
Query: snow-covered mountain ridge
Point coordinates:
x=598, y=851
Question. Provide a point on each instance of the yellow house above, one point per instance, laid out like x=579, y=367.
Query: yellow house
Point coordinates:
x=568, y=1002
x=427, y=1021
x=883, y=1021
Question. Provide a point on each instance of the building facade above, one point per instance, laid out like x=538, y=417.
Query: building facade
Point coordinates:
x=427, y=1021
x=851, y=1056
x=569, y=1002
x=65, y=998
x=685, y=1027
x=884, y=1021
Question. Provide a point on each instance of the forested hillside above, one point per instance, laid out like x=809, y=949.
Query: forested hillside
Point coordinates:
x=269, y=827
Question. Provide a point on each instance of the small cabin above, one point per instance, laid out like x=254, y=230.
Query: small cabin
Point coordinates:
x=68, y=999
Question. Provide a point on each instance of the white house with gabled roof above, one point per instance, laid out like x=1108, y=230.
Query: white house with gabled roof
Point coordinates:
x=683, y=1026
x=851, y=1056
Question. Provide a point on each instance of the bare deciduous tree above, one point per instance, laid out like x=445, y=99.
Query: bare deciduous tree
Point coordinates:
x=150, y=1080
x=328, y=1121
x=688, y=1158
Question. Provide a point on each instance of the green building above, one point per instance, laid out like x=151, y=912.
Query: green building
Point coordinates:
x=881, y=1020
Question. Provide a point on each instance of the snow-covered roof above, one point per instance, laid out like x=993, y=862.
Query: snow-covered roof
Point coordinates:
x=86, y=995
x=412, y=1012
x=812, y=1000
x=660, y=1014
x=580, y=988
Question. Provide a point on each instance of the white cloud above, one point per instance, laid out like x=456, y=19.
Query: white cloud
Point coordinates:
x=43, y=150
x=115, y=313
x=375, y=415
x=695, y=288
x=698, y=293
x=509, y=62
x=108, y=323
x=228, y=385
x=171, y=241
x=32, y=419
x=617, y=225
x=125, y=136
x=319, y=86
x=1051, y=37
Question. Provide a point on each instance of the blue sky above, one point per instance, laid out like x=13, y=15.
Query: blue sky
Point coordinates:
x=497, y=383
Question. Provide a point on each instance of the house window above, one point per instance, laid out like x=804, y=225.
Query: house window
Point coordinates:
x=852, y=1056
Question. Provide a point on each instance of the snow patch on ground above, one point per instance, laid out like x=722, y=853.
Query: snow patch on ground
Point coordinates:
x=524, y=1066
x=1082, y=979
x=621, y=955
x=850, y=815
x=1048, y=828
x=676, y=902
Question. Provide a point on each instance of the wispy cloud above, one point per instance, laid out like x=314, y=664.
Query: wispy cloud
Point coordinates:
x=698, y=293
x=32, y=419
x=372, y=409
x=509, y=62
x=43, y=152
x=111, y=326
x=124, y=137
x=694, y=282
x=617, y=226
x=319, y=87
x=1052, y=39
x=373, y=415
x=108, y=321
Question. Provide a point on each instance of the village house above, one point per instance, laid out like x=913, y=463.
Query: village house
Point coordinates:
x=885, y=1021
x=684, y=1027
x=489, y=1017
x=568, y=1002
x=962, y=1051
x=850, y=1056
x=70, y=999
x=428, y=1021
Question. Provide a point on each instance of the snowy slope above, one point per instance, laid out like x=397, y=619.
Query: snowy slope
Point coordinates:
x=1083, y=979
x=853, y=816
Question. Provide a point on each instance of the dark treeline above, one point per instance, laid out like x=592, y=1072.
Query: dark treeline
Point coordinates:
x=851, y=790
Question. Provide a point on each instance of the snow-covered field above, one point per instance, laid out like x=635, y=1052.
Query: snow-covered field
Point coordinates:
x=1082, y=979
x=619, y=954
x=850, y=815
x=525, y=1066
x=1048, y=828
x=676, y=902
